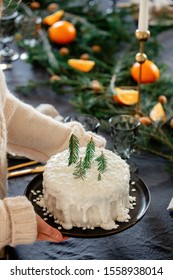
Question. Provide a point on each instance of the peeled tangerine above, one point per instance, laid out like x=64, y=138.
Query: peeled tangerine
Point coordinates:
x=126, y=96
x=158, y=113
x=81, y=64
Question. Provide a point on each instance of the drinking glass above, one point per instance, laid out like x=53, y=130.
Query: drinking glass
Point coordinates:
x=29, y=26
x=89, y=122
x=7, y=32
x=124, y=132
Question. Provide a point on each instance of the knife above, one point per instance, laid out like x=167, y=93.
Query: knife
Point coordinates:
x=38, y=169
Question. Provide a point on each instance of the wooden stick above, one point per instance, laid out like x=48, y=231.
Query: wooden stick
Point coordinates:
x=22, y=165
x=38, y=169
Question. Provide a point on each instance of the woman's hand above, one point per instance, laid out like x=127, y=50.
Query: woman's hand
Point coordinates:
x=48, y=233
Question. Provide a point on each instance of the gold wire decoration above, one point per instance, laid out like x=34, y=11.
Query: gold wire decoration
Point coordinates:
x=142, y=37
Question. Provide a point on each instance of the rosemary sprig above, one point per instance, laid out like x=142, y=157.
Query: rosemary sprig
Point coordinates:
x=80, y=170
x=73, y=149
x=102, y=164
x=89, y=154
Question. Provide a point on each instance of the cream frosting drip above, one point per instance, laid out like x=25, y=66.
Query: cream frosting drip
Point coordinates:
x=87, y=202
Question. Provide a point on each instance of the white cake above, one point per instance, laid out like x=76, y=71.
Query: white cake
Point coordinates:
x=88, y=202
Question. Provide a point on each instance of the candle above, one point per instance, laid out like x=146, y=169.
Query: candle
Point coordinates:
x=143, y=16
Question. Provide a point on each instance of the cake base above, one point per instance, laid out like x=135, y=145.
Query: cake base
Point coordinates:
x=34, y=192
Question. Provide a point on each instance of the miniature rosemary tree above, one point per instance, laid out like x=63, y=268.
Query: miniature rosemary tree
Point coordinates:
x=102, y=164
x=80, y=170
x=89, y=155
x=73, y=149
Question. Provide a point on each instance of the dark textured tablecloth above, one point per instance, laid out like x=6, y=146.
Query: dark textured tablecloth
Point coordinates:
x=151, y=238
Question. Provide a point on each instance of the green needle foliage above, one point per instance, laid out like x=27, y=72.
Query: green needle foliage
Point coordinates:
x=102, y=164
x=80, y=170
x=114, y=33
x=73, y=149
x=82, y=165
x=90, y=150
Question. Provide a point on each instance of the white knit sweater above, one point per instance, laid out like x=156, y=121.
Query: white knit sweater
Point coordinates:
x=27, y=132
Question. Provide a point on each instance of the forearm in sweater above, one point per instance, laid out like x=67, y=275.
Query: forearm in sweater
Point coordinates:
x=18, y=221
x=36, y=136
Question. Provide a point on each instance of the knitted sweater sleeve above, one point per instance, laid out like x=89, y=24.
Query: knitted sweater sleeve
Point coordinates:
x=18, y=221
x=36, y=136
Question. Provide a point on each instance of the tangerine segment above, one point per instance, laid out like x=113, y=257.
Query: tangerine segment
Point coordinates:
x=81, y=64
x=126, y=96
x=158, y=113
x=51, y=19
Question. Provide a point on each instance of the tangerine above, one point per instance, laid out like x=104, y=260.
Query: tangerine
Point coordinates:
x=84, y=56
x=145, y=120
x=64, y=51
x=62, y=32
x=96, y=48
x=81, y=64
x=52, y=7
x=96, y=86
x=34, y=5
x=150, y=72
x=126, y=96
x=162, y=99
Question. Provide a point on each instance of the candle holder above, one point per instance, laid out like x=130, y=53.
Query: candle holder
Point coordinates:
x=142, y=37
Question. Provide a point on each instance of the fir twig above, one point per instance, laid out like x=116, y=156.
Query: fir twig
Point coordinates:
x=73, y=149
x=160, y=137
x=102, y=164
x=89, y=155
x=80, y=170
x=157, y=153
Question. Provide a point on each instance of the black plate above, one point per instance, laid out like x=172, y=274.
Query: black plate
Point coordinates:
x=142, y=195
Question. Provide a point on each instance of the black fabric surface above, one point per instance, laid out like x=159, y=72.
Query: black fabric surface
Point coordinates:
x=151, y=238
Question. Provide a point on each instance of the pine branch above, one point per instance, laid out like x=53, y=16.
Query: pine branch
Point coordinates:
x=89, y=155
x=157, y=153
x=113, y=63
x=160, y=137
x=73, y=149
x=80, y=170
x=102, y=164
